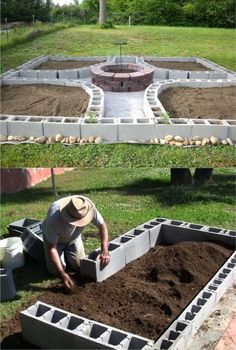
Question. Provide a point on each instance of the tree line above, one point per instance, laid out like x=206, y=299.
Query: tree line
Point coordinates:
x=209, y=13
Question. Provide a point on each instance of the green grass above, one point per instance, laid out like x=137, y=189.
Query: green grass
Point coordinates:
x=117, y=155
x=126, y=198
x=215, y=44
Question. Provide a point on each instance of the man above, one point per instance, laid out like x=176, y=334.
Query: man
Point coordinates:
x=66, y=219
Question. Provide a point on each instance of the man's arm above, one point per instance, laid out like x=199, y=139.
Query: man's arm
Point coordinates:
x=55, y=259
x=104, y=257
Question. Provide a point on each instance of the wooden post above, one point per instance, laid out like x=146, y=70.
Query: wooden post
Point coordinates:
x=102, y=12
x=54, y=183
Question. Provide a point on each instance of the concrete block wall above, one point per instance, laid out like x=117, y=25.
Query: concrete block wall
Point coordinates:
x=64, y=330
x=92, y=267
x=7, y=285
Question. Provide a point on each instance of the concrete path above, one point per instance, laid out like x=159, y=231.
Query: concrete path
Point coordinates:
x=124, y=105
x=218, y=332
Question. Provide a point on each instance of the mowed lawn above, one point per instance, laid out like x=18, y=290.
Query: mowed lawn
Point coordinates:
x=126, y=198
x=215, y=44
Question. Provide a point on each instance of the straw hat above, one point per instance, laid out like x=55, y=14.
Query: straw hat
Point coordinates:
x=77, y=210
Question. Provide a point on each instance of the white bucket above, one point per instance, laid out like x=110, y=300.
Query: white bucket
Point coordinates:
x=11, y=252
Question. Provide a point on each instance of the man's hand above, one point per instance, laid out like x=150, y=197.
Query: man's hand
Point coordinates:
x=67, y=281
x=105, y=258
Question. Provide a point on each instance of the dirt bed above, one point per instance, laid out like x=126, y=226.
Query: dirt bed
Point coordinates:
x=188, y=66
x=65, y=64
x=44, y=100
x=200, y=103
x=143, y=298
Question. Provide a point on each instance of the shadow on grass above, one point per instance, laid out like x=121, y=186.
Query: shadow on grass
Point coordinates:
x=221, y=189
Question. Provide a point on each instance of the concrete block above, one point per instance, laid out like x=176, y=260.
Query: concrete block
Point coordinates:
x=141, y=129
x=84, y=73
x=3, y=124
x=126, y=59
x=48, y=74
x=203, y=128
x=161, y=74
x=231, y=129
x=93, y=268
x=175, y=337
x=217, y=75
x=8, y=290
x=28, y=74
x=68, y=74
x=198, y=75
x=19, y=226
x=18, y=125
x=182, y=129
x=56, y=125
x=32, y=239
x=154, y=229
x=178, y=74
x=106, y=128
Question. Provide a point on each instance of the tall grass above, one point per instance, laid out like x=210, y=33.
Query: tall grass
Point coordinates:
x=20, y=35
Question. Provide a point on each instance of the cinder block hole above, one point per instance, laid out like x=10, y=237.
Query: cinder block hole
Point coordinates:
x=148, y=226
x=74, y=322
x=125, y=239
x=189, y=316
x=180, y=326
x=54, y=120
x=116, y=337
x=206, y=295
x=178, y=121
x=3, y=117
x=70, y=120
x=112, y=247
x=231, y=122
x=137, y=343
x=166, y=344
x=97, y=331
x=143, y=121
x=19, y=119
x=211, y=287
x=57, y=316
x=173, y=335
x=213, y=229
x=215, y=122
x=176, y=222
x=127, y=120
x=222, y=275
x=107, y=121
x=227, y=271
x=198, y=227
x=231, y=266
x=198, y=122
x=201, y=302
x=35, y=120
x=155, y=223
x=217, y=282
x=41, y=310
x=137, y=232
x=195, y=308
x=233, y=260
x=232, y=233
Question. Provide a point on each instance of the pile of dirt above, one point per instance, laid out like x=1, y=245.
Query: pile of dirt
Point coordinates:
x=188, y=66
x=143, y=298
x=44, y=100
x=65, y=64
x=200, y=103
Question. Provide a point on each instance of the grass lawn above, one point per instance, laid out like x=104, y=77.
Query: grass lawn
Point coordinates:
x=126, y=198
x=215, y=44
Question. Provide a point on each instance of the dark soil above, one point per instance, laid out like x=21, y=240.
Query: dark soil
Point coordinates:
x=121, y=70
x=200, y=103
x=44, y=100
x=188, y=66
x=143, y=298
x=65, y=64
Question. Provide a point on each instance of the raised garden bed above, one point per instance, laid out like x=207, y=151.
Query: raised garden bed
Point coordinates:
x=67, y=64
x=200, y=103
x=188, y=66
x=44, y=100
x=143, y=298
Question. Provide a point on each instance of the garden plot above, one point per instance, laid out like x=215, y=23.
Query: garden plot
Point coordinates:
x=67, y=64
x=171, y=289
x=116, y=120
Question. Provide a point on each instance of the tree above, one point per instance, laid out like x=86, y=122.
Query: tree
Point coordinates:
x=102, y=12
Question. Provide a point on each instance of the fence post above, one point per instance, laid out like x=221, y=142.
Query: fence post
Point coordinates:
x=33, y=23
x=6, y=27
x=51, y=19
x=129, y=21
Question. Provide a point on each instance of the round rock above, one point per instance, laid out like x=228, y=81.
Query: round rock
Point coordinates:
x=98, y=140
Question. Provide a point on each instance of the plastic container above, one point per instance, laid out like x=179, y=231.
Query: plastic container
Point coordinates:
x=11, y=252
x=18, y=227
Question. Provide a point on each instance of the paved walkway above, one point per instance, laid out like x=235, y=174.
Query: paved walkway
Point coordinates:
x=124, y=105
x=218, y=332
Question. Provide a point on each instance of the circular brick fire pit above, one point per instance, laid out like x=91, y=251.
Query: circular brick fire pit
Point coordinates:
x=122, y=77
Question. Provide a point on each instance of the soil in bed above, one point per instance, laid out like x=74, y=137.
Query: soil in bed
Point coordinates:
x=143, y=298
x=65, y=64
x=44, y=100
x=200, y=103
x=188, y=66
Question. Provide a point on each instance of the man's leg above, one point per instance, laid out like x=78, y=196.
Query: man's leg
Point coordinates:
x=50, y=266
x=73, y=253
